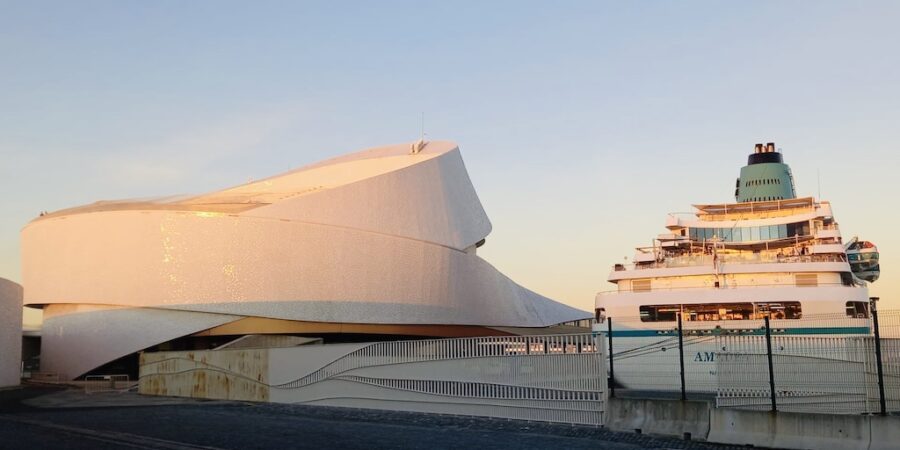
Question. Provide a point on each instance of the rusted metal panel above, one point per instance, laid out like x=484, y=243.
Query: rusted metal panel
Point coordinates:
x=224, y=374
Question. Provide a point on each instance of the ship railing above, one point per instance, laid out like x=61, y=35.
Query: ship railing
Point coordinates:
x=723, y=285
x=755, y=214
x=692, y=261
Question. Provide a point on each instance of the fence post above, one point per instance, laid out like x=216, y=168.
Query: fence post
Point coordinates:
x=771, y=365
x=874, y=310
x=681, y=357
x=611, y=384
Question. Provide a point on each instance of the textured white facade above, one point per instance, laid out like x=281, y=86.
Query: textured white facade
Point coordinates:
x=382, y=236
x=10, y=333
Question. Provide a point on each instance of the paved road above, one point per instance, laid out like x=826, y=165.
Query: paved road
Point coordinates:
x=118, y=421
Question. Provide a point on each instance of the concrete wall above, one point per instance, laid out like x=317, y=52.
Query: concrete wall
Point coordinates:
x=227, y=374
x=674, y=418
x=10, y=333
x=789, y=430
x=661, y=417
x=885, y=432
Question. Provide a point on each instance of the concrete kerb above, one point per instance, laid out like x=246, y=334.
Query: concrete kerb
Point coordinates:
x=790, y=430
x=885, y=432
x=672, y=418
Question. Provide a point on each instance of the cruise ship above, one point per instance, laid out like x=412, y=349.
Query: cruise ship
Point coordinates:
x=724, y=268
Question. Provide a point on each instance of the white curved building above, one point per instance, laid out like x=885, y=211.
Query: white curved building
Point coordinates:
x=381, y=241
x=10, y=333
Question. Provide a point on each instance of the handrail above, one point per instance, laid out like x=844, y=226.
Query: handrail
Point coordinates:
x=724, y=286
x=692, y=261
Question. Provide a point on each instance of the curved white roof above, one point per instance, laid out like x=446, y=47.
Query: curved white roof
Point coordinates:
x=371, y=190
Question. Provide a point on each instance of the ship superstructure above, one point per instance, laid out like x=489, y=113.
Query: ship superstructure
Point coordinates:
x=727, y=266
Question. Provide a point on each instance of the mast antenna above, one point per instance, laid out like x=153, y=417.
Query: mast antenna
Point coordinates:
x=417, y=146
x=818, y=185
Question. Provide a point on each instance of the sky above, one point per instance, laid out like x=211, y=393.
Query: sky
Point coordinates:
x=582, y=124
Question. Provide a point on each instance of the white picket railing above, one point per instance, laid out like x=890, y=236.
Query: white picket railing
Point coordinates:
x=106, y=383
x=555, y=378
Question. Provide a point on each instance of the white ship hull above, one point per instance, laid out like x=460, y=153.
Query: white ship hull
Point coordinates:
x=647, y=359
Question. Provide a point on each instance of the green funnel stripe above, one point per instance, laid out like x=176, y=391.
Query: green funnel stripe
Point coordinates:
x=765, y=182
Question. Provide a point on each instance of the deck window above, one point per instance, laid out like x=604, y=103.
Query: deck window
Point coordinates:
x=858, y=310
x=727, y=235
x=846, y=278
x=599, y=315
x=778, y=310
x=716, y=311
x=856, y=257
x=707, y=312
x=659, y=313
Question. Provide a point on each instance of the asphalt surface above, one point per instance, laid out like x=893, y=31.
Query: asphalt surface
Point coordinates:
x=38, y=418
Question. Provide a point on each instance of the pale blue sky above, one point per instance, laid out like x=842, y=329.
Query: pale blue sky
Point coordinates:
x=581, y=123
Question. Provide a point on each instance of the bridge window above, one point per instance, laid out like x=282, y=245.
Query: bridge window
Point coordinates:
x=752, y=234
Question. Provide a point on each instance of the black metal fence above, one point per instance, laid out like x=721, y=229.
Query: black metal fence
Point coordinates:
x=818, y=363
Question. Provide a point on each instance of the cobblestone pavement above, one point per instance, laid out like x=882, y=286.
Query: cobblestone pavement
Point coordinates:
x=234, y=425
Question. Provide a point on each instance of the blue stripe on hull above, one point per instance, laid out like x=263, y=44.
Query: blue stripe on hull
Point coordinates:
x=745, y=332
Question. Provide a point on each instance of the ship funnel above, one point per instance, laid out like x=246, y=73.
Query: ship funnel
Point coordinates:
x=765, y=177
